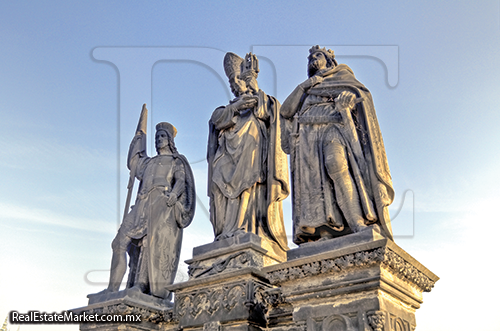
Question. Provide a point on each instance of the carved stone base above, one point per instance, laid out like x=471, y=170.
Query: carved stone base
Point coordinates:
x=224, y=302
x=357, y=282
x=247, y=250
x=156, y=314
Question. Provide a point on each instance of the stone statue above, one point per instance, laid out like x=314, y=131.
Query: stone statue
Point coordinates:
x=340, y=176
x=152, y=231
x=248, y=171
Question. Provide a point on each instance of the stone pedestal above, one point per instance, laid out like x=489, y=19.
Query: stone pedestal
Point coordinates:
x=247, y=250
x=229, y=301
x=362, y=281
x=358, y=282
x=155, y=313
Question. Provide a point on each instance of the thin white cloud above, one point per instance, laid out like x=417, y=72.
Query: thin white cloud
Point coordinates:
x=12, y=212
x=47, y=153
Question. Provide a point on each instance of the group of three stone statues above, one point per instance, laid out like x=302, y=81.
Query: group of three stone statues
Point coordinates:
x=340, y=176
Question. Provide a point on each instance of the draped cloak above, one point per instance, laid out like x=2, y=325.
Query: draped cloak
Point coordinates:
x=309, y=120
x=248, y=171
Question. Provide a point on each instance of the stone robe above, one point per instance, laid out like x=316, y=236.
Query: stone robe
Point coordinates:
x=313, y=130
x=248, y=171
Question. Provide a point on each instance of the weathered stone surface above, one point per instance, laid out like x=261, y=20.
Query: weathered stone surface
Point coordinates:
x=341, y=178
x=311, y=248
x=247, y=250
x=247, y=169
x=151, y=231
x=362, y=285
x=248, y=279
x=130, y=294
x=381, y=252
x=156, y=313
x=233, y=299
x=362, y=281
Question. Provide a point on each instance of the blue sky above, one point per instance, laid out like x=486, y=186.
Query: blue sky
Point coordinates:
x=66, y=119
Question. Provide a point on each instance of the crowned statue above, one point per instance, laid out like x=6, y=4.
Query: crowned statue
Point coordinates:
x=340, y=176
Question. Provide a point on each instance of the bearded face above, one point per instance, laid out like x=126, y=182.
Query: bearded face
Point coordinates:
x=317, y=61
x=161, y=140
x=251, y=83
x=238, y=87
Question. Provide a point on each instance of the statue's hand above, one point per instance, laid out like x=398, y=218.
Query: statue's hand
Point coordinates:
x=245, y=102
x=345, y=100
x=310, y=82
x=171, y=199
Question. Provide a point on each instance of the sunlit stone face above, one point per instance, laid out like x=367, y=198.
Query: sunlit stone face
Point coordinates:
x=317, y=61
x=161, y=139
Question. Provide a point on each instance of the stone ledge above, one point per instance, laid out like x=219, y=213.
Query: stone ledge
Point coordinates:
x=152, y=314
x=364, y=253
x=132, y=295
x=219, y=279
x=236, y=296
x=233, y=244
x=312, y=248
x=243, y=251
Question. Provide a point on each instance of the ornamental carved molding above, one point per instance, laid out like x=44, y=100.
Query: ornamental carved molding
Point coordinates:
x=211, y=301
x=212, y=326
x=405, y=269
x=147, y=314
x=268, y=298
x=234, y=261
x=376, y=320
x=327, y=266
x=381, y=255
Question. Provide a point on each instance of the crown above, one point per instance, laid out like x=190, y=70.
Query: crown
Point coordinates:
x=328, y=52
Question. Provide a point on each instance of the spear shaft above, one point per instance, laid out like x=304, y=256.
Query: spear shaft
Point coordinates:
x=140, y=131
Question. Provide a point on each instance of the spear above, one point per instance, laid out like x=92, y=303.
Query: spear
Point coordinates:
x=140, y=131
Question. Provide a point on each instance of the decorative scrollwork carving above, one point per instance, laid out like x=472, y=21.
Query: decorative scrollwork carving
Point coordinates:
x=405, y=269
x=376, y=319
x=184, y=305
x=200, y=303
x=327, y=266
x=211, y=326
x=211, y=300
x=380, y=255
x=233, y=296
x=234, y=261
x=268, y=298
x=147, y=314
x=215, y=301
